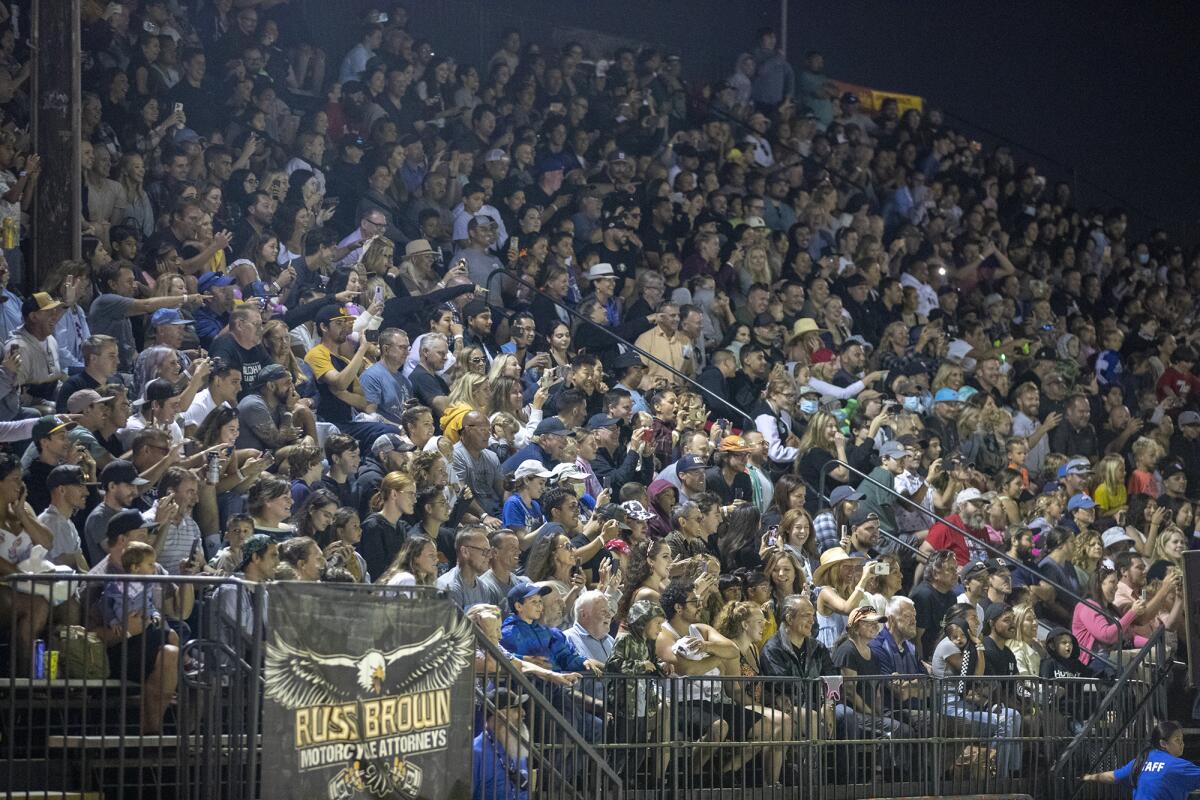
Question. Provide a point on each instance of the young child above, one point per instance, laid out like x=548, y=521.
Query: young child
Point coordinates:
x=1062, y=661
x=1146, y=455
x=237, y=530
x=125, y=598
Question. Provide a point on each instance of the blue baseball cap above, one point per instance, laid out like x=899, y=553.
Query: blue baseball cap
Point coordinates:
x=1080, y=501
x=168, y=316
x=524, y=591
x=946, y=395
x=689, y=463
x=211, y=279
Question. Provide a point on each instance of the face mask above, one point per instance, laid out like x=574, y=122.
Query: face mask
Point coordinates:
x=1143, y=258
x=808, y=406
x=703, y=297
x=912, y=404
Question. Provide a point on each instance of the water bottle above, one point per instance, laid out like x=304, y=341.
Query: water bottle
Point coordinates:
x=214, y=468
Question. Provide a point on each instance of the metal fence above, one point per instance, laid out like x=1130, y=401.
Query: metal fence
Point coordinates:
x=103, y=716
x=138, y=705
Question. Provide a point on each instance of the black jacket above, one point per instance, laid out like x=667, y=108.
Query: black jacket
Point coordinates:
x=614, y=474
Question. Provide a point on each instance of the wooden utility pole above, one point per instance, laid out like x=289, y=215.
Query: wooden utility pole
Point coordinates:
x=57, y=213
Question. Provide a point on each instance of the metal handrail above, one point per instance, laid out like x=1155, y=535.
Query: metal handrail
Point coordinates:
x=995, y=551
x=512, y=275
x=544, y=706
x=1157, y=642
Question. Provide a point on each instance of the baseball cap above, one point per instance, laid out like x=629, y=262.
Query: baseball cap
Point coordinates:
x=843, y=493
x=568, y=471
x=78, y=401
x=1076, y=466
x=863, y=614
x=121, y=471
x=157, y=391
x=597, y=421
x=66, y=475
x=763, y=320
x=892, y=449
x=496, y=154
x=524, y=591
x=627, y=360
x=968, y=495
x=635, y=510
x=617, y=155
x=1114, y=536
x=168, y=316
x=946, y=395
x=474, y=308
x=861, y=515
x=391, y=442
x=269, y=373
x=821, y=356
x=126, y=520
x=502, y=698
x=329, y=313
x=612, y=511
x=734, y=444
x=550, y=425
x=974, y=569
x=39, y=301
x=255, y=544
x=50, y=424
x=1189, y=418
x=1080, y=500
x=531, y=467
x=210, y=280
x=688, y=463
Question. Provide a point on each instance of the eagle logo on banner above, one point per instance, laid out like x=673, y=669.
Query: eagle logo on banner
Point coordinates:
x=297, y=678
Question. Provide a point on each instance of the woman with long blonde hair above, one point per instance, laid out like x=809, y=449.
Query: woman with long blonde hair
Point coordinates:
x=376, y=261
x=820, y=444
x=469, y=393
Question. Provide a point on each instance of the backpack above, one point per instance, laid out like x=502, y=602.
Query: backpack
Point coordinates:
x=82, y=654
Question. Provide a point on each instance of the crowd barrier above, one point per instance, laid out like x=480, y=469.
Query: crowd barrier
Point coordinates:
x=73, y=726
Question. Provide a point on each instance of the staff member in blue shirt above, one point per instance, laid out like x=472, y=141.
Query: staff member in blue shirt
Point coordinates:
x=1158, y=773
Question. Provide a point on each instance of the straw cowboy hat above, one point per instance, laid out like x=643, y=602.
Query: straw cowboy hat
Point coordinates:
x=830, y=560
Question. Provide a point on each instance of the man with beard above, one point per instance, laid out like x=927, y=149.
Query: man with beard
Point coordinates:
x=970, y=510
x=337, y=377
x=261, y=411
x=748, y=384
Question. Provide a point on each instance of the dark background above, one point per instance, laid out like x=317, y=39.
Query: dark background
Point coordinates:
x=1102, y=94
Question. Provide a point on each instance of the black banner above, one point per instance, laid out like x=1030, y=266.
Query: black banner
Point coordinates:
x=368, y=695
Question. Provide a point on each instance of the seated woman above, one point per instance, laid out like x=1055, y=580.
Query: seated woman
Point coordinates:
x=743, y=624
x=864, y=699
x=839, y=593
x=416, y=565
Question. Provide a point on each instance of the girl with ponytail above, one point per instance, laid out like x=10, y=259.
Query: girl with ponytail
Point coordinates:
x=1159, y=771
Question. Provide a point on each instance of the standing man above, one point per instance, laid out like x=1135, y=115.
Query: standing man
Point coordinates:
x=115, y=304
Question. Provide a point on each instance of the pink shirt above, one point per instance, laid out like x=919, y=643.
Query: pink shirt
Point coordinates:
x=1091, y=628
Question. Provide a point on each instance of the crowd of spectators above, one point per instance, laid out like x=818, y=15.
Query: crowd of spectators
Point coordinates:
x=354, y=317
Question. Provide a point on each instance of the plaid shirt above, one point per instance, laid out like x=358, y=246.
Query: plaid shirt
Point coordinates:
x=825, y=528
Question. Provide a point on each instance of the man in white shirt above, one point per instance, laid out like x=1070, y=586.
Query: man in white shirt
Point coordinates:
x=224, y=386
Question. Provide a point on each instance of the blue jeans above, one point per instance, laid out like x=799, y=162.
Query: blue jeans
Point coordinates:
x=1001, y=723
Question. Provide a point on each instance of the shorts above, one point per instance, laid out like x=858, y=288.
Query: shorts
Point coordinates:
x=135, y=659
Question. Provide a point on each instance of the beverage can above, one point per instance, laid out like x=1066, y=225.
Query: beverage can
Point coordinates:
x=52, y=665
x=39, y=659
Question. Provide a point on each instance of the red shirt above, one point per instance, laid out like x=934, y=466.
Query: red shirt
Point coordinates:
x=943, y=537
x=1174, y=381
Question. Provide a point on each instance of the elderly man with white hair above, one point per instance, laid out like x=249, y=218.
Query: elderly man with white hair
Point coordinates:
x=590, y=633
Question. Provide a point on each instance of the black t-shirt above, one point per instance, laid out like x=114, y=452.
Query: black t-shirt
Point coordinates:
x=37, y=494
x=623, y=261
x=931, y=606
x=741, y=489
x=847, y=655
x=426, y=385
x=998, y=660
x=250, y=362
